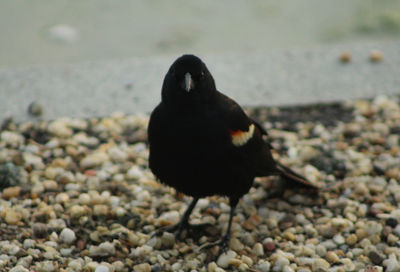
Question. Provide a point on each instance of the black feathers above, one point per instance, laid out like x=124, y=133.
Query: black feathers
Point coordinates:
x=201, y=141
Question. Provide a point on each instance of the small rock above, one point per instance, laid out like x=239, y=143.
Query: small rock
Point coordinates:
x=11, y=192
x=391, y=222
x=144, y=267
x=18, y=268
x=168, y=218
x=269, y=246
x=287, y=221
x=35, y=109
x=104, y=249
x=11, y=216
x=60, y=128
x=94, y=159
x=351, y=239
x=332, y=257
x=391, y=264
x=375, y=56
x=264, y=267
x=375, y=257
x=67, y=236
x=223, y=259
x=258, y=249
x=102, y=268
x=345, y=57
x=40, y=230
x=168, y=240
x=320, y=264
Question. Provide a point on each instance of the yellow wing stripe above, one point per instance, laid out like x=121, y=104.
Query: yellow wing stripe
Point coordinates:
x=240, y=138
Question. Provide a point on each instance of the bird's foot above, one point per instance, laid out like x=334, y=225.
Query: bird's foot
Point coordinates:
x=223, y=245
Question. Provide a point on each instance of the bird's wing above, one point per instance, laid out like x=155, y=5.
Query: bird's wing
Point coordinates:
x=240, y=127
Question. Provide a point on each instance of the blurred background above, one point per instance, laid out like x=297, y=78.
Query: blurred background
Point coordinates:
x=49, y=32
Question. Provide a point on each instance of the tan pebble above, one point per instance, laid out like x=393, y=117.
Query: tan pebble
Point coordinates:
x=320, y=264
x=235, y=244
x=351, y=239
x=12, y=217
x=258, y=249
x=101, y=210
x=235, y=262
x=289, y=236
x=345, y=57
x=361, y=234
x=247, y=260
x=375, y=56
x=332, y=257
x=77, y=211
x=392, y=239
x=11, y=192
x=50, y=185
x=212, y=266
x=145, y=267
x=243, y=267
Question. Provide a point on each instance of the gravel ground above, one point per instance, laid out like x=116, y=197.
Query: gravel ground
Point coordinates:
x=77, y=195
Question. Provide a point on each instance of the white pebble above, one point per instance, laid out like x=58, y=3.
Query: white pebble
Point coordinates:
x=104, y=249
x=102, y=268
x=391, y=264
x=12, y=138
x=223, y=260
x=67, y=236
x=18, y=268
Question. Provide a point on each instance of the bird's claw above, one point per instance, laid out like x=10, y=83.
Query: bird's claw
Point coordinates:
x=223, y=245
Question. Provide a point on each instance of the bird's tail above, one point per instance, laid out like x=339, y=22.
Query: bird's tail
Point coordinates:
x=291, y=176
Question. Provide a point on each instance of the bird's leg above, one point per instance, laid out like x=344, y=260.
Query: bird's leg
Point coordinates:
x=224, y=242
x=183, y=223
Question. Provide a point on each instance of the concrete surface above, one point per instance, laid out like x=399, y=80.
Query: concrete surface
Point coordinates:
x=275, y=77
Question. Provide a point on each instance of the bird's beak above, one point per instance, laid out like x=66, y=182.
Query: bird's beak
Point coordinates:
x=189, y=84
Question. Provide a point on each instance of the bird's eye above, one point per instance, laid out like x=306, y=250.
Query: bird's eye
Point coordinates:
x=202, y=75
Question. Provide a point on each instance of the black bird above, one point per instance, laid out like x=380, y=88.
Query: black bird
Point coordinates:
x=202, y=143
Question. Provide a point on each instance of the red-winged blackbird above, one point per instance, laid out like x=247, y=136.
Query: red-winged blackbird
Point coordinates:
x=202, y=143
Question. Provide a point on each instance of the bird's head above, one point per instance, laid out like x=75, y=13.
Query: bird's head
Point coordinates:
x=188, y=79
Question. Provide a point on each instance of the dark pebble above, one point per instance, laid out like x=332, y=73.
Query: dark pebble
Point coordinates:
x=391, y=222
x=9, y=175
x=375, y=257
x=40, y=230
x=35, y=109
x=269, y=246
x=288, y=221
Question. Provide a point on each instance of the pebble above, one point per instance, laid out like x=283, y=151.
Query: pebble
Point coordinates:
x=223, y=259
x=11, y=216
x=145, y=267
x=351, y=239
x=102, y=268
x=391, y=264
x=96, y=179
x=332, y=257
x=320, y=264
x=345, y=57
x=258, y=249
x=67, y=236
x=19, y=268
x=375, y=257
x=375, y=56
x=104, y=249
x=11, y=192
x=35, y=109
